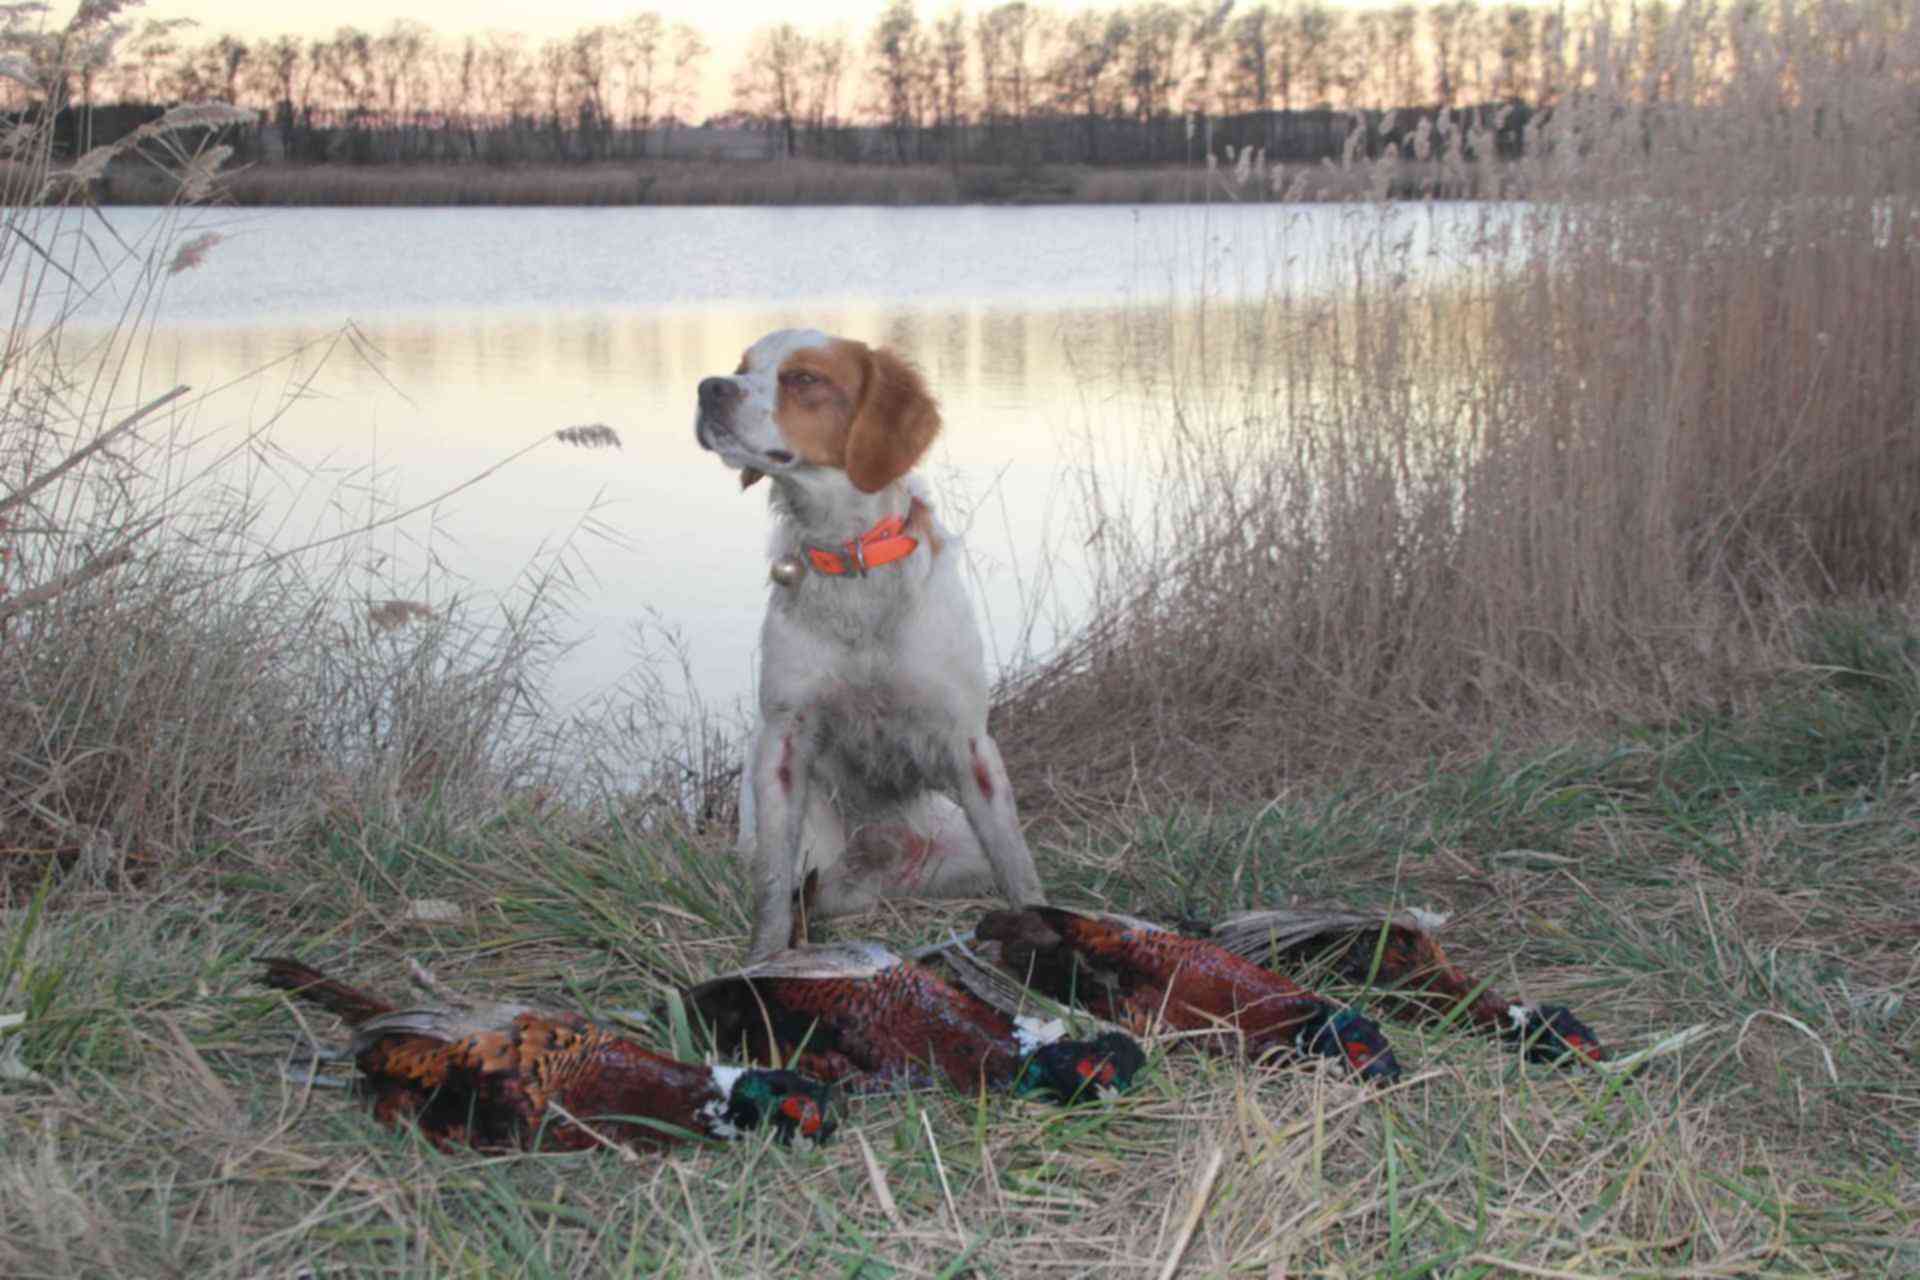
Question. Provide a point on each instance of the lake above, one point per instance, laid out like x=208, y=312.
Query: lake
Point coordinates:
x=407, y=351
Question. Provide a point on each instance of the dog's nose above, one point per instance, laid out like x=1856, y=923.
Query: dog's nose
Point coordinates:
x=718, y=394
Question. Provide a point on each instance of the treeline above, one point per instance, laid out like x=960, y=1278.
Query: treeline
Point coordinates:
x=1013, y=82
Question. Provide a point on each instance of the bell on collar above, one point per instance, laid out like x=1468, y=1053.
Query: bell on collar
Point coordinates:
x=788, y=570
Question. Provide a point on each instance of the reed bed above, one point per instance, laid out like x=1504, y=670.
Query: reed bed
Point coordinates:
x=1597, y=468
x=667, y=182
x=762, y=182
x=657, y=183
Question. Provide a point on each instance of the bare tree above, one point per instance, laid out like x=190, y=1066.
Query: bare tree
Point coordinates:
x=689, y=51
x=590, y=56
x=1450, y=29
x=900, y=58
x=1317, y=32
x=1517, y=52
x=1085, y=70
x=345, y=64
x=1403, y=57
x=769, y=85
x=825, y=65
x=1010, y=38
x=148, y=53
x=505, y=78
x=555, y=83
x=1363, y=59
x=1251, y=61
x=398, y=56
x=276, y=72
x=1206, y=51
x=459, y=93
x=229, y=58
x=1153, y=51
x=637, y=48
x=950, y=75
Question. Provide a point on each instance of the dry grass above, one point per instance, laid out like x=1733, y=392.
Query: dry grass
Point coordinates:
x=1729, y=877
x=1593, y=468
x=179, y=670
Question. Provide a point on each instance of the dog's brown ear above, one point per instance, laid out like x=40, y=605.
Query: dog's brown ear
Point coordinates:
x=894, y=424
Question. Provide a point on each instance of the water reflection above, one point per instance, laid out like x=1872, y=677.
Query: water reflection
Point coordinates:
x=412, y=350
x=414, y=409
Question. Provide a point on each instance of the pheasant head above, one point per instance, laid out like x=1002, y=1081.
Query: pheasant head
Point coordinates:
x=1352, y=1038
x=1549, y=1032
x=1068, y=1071
x=747, y=1098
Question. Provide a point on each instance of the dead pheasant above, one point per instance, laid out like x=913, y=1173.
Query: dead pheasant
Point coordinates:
x=857, y=1014
x=1140, y=975
x=509, y=1076
x=1399, y=955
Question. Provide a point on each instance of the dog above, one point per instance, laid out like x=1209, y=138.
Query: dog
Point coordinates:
x=871, y=774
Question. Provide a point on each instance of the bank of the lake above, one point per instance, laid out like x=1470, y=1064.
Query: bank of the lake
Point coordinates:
x=709, y=182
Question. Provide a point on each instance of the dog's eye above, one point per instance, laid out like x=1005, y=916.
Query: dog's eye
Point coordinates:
x=799, y=378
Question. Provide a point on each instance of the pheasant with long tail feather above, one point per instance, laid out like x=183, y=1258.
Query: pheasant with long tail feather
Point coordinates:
x=1140, y=975
x=1399, y=955
x=509, y=1076
x=859, y=1015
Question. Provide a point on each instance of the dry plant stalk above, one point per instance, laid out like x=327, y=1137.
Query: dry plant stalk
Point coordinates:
x=169, y=683
x=1596, y=468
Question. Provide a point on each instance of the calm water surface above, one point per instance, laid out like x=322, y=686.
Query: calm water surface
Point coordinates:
x=409, y=350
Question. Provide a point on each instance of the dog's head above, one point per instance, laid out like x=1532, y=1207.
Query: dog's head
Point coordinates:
x=802, y=399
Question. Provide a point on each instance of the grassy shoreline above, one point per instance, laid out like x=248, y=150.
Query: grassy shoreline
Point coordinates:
x=1745, y=874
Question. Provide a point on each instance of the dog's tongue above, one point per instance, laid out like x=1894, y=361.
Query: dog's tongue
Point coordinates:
x=748, y=475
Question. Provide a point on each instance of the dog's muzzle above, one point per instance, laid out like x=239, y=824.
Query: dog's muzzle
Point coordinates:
x=719, y=397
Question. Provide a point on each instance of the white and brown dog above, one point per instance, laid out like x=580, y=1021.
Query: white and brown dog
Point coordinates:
x=873, y=689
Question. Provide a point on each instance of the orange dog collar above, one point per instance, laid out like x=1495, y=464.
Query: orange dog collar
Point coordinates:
x=883, y=544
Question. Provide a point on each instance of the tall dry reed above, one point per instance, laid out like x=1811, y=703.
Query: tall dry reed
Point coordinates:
x=1587, y=457
x=177, y=675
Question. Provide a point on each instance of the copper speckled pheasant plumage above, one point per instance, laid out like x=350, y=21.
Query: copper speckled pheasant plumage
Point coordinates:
x=1140, y=975
x=509, y=1076
x=858, y=1014
x=1406, y=962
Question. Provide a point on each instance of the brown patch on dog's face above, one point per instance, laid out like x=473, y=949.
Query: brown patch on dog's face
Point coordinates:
x=820, y=389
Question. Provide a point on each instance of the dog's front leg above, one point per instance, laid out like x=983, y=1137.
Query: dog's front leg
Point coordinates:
x=780, y=805
x=981, y=785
